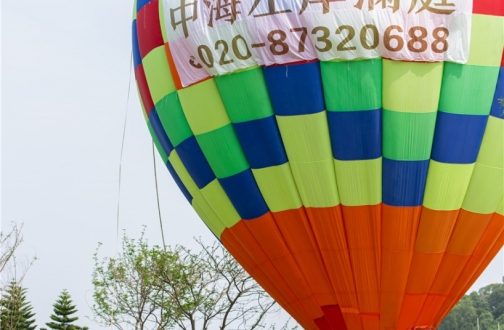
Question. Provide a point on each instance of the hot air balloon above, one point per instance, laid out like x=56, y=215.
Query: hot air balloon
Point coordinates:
x=348, y=153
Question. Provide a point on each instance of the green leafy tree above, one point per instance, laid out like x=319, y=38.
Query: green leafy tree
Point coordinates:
x=176, y=288
x=63, y=311
x=15, y=312
x=485, y=306
x=462, y=317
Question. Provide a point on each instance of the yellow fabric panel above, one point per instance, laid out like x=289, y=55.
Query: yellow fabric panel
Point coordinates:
x=220, y=203
x=492, y=148
x=144, y=113
x=306, y=137
x=359, y=181
x=316, y=183
x=207, y=214
x=487, y=40
x=181, y=171
x=158, y=74
x=411, y=86
x=162, y=22
x=485, y=189
x=500, y=207
x=203, y=107
x=277, y=187
x=446, y=185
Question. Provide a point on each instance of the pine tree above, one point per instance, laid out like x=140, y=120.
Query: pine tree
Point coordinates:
x=63, y=309
x=15, y=312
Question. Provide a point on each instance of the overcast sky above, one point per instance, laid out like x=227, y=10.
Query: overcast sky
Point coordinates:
x=64, y=83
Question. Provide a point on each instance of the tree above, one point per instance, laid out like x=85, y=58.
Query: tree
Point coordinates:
x=157, y=288
x=462, y=317
x=485, y=306
x=9, y=267
x=16, y=313
x=63, y=309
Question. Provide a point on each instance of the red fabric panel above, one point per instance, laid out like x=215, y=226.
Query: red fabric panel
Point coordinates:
x=144, y=89
x=149, y=28
x=488, y=7
x=334, y=316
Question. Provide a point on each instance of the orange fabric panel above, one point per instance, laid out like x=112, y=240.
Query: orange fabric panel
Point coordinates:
x=467, y=232
x=362, y=226
x=269, y=239
x=399, y=227
x=422, y=271
x=452, y=300
x=173, y=69
x=454, y=281
x=252, y=248
x=296, y=232
x=371, y=323
x=431, y=306
x=398, y=233
x=390, y=307
x=395, y=269
x=434, y=232
x=448, y=272
x=409, y=310
x=435, y=229
x=329, y=230
x=239, y=253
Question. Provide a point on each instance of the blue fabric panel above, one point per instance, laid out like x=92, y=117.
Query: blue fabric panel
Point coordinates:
x=179, y=182
x=498, y=101
x=355, y=135
x=457, y=138
x=246, y=197
x=404, y=182
x=137, y=59
x=295, y=89
x=261, y=142
x=160, y=132
x=141, y=3
x=195, y=162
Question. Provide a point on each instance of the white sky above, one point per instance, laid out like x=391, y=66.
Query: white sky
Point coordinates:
x=64, y=82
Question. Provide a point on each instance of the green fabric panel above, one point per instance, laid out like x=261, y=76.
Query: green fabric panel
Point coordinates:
x=407, y=136
x=411, y=86
x=158, y=74
x=172, y=117
x=487, y=40
x=446, y=185
x=163, y=155
x=220, y=203
x=223, y=151
x=207, y=214
x=245, y=95
x=352, y=85
x=316, y=183
x=359, y=181
x=468, y=89
x=203, y=107
x=134, y=10
x=277, y=187
x=306, y=137
x=492, y=148
x=485, y=189
x=181, y=171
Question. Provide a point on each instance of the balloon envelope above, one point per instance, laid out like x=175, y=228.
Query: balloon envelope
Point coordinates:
x=350, y=158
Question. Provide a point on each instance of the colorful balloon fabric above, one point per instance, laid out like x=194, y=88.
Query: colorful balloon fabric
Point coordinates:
x=362, y=191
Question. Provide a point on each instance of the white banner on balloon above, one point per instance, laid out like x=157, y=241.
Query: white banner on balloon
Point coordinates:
x=214, y=37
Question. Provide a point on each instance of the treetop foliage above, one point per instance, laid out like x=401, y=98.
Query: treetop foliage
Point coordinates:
x=486, y=307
